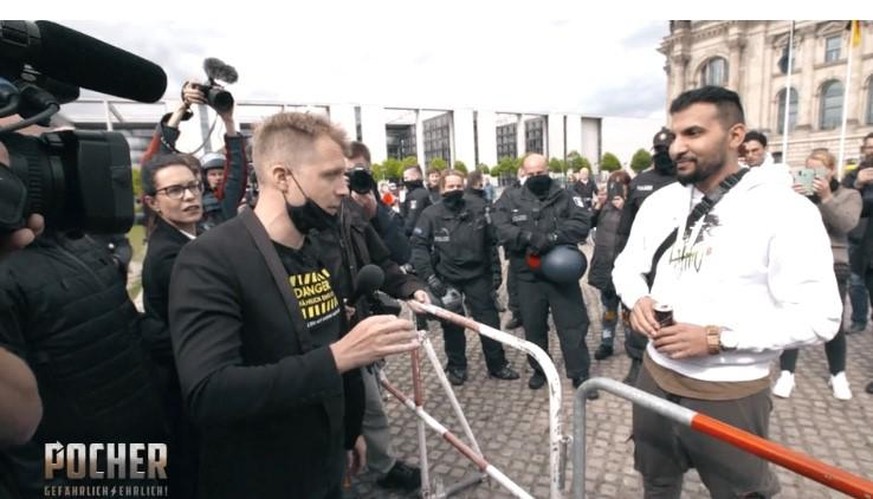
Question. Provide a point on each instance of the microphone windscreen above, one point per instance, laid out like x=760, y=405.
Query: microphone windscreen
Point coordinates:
x=81, y=60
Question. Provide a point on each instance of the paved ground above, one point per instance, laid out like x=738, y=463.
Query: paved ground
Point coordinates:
x=511, y=424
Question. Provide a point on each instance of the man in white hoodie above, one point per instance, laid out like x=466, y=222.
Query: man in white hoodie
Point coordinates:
x=747, y=277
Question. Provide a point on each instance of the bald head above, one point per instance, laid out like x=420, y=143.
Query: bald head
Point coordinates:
x=534, y=164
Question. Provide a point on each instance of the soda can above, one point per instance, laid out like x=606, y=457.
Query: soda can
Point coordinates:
x=663, y=314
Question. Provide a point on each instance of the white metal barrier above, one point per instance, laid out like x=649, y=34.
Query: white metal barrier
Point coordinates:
x=558, y=442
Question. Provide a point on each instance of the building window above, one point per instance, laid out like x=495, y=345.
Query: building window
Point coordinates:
x=833, y=44
x=869, y=113
x=792, y=111
x=715, y=72
x=831, y=105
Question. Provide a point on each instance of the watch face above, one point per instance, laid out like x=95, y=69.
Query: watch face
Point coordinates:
x=728, y=340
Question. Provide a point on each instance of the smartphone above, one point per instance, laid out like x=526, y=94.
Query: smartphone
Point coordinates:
x=804, y=177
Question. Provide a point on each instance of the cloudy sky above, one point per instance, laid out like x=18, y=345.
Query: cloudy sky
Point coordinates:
x=510, y=56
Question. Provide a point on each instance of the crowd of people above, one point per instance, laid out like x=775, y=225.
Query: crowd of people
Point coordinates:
x=257, y=357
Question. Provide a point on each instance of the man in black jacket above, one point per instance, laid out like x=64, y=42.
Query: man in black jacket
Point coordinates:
x=454, y=245
x=662, y=173
x=416, y=200
x=260, y=336
x=65, y=309
x=532, y=221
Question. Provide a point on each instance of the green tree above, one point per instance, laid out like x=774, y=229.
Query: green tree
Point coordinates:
x=482, y=167
x=576, y=161
x=460, y=166
x=641, y=160
x=137, y=182
x=507, y=166
x=393, y=168
x=409, y=161
x=379, y=172
x=557, y=165
x=439, y=164
x=609, y=162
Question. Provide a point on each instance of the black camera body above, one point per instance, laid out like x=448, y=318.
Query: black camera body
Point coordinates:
x=76, y=179
x=361, y=180
x=218, y=98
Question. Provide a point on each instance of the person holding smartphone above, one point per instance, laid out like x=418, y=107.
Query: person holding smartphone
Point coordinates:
x=606, y=218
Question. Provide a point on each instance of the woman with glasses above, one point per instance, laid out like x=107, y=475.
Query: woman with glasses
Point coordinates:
x=173, y=193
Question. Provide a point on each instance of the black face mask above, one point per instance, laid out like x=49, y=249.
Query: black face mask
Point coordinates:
x=478, y=192
x=309, y=216
x=413, y=184
x=539, y=184
x=663, y=163
x=453, y=200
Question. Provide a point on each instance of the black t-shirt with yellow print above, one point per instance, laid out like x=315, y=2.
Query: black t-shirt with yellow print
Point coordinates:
x=311, y=283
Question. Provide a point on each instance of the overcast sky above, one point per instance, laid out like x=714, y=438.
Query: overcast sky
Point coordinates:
x=502, y=57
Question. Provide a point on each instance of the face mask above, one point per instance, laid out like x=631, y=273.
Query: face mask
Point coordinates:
x=478, y=192
x=453, y=199
x=539, y=184
x=663, y=162
x=309, y=216
x=413, y=184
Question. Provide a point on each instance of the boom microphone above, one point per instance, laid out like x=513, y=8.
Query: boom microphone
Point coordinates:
x=78, y=59
x=370, y=278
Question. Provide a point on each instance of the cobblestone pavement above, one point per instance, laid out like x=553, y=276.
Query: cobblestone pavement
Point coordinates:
x=510, y=423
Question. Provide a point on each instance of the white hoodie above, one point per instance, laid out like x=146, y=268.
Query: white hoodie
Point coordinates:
x=761, y=267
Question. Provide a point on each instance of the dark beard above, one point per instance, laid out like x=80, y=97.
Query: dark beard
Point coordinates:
x=702, y=171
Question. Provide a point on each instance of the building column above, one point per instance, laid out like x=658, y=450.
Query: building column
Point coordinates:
x=554, y=143
x=521, y=142
x=344, y=116
x=735, y=60
x=373, y=132
x=487, y=126
x=807, y=113
x=463, y=141
x=574, y=133
x=419, y=138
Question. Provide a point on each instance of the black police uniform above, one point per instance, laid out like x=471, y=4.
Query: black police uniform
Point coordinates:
x=416, y=200
x=527, y=223
x=641, y=187
x=457, y=246
x=512, y=275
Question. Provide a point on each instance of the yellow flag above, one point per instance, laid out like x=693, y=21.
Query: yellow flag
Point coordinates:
x=855, y=37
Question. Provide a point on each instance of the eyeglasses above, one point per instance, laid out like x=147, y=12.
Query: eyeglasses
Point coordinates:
x=178, y=191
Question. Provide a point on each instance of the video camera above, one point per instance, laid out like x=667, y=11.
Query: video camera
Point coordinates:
x=361, y=180
x=217, y=97
x=76, y=179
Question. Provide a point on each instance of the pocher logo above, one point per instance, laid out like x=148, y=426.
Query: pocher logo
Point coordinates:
x=105, y=470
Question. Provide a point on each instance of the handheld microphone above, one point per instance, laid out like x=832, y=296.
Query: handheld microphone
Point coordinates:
x=78, y=59
x=370, y=278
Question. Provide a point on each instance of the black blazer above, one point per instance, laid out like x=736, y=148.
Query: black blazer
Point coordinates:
x=269, y=403
x=164, y=246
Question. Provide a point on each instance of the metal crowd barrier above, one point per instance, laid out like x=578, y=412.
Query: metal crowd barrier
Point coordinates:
x=558, y=443
x=802, y=464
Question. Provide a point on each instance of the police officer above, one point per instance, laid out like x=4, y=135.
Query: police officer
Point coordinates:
x=532, y=221
x=512, y=275
x=662, y=173
x=454, y=245
x=416, y=200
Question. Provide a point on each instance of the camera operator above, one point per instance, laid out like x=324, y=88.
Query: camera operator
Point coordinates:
x=385, y=220
x=225, y=191
x=64, y=308
x=358, y=243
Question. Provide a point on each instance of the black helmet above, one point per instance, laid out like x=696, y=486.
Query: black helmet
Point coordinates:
x=662, y=139
x=563, y=264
